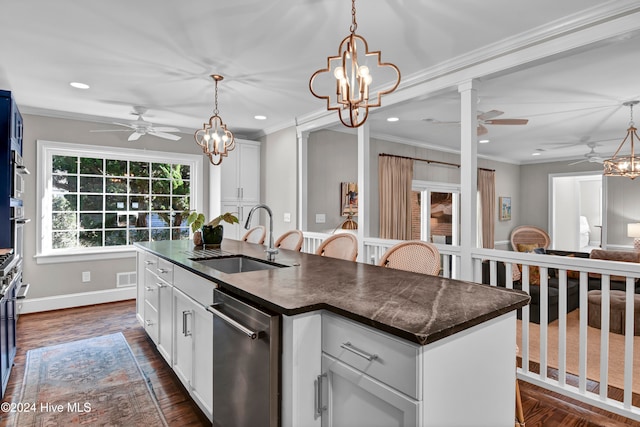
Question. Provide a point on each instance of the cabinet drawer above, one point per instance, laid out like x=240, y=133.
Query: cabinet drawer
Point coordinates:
x=197, y=288
x=165, y=270
x=393, y=361
x=150, y=261
x=151, y=288
x=151, y=321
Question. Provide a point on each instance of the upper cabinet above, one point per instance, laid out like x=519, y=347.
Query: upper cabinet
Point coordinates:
x=240, y=173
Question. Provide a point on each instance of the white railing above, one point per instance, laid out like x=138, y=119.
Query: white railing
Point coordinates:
x=551, y=352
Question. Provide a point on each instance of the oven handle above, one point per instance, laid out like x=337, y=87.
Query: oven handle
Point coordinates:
x=248, y=332
x=23, y=220
x=22, y=292
x=22, y=170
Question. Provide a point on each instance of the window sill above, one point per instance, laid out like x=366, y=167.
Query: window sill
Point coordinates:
x=98, y=255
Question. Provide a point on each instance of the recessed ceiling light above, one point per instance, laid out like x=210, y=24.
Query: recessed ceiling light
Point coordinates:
x=260, y=117
x=393, y=119
x=483, y=141
x=79, y=85
x=537, y=153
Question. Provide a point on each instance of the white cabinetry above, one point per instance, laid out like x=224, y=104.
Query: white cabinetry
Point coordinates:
x=240, y=184
x=155, y=293
x=193, y=337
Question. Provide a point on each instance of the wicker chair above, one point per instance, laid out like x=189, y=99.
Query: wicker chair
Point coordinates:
x=413, y=255
x=343, y=246
x=256, y=235
x=291, y=240
x=529, y=235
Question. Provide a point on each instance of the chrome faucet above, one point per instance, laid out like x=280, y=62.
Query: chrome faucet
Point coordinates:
x=271, y=251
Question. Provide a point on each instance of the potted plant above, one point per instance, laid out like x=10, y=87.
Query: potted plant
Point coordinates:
x=211, y=232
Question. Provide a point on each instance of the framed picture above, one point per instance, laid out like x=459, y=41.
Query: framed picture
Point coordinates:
x=505, y=208
x=348, y=199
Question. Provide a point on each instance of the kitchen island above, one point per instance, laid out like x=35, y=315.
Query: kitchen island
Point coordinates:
x=364, y=345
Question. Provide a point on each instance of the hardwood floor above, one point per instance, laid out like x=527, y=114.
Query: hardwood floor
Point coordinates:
x=54, y=327
x=541, y=407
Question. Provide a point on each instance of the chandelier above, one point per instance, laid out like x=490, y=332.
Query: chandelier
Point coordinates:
x=353, y=79
x=628, y=166
x=214, y=138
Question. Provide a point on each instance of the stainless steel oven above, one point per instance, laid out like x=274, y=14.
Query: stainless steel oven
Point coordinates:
x=18, y=221
x=19, y=171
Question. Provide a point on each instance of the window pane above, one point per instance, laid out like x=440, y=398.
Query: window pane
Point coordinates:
x=116, y=203
x=65, y=239
x=138, y=203
x=117, y=167
x=161, y=186
x=139, y=169
x=91, y=184
x=91, y=220
x=181, y=188
x=90, y=238
x=161, y=170
x=160, y=219
x=160, y=203
x=63, y=221
x=139, y=186
x=65, y=183
x=180, y=233
x=138, y=236
x=180, y=203
x=64, y=202
x=90, y=203
x=180, y=219
x=138, y=221
x=115, y=238
x=64, y=164
x=116, y=185
x=89, y=166
x=160, y=234
x=184, y=171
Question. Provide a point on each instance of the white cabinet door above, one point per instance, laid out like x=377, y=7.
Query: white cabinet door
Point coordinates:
x=233, y=231
x=352, y=399
x=182, y=342
x=229, y=172
x=249, y=176
x=202, y=380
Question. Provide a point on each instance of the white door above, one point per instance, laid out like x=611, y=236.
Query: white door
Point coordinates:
x=249, y=173
x=182, y=333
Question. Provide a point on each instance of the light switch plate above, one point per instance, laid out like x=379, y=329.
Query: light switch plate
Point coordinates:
x=287, y=217
x=321, y=218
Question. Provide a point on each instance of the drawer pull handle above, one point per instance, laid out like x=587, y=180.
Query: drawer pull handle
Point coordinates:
x=148, y=288
x=160, y=285
x=148, y=322
x=163, y=270
x=148, y=262
x=349, y=347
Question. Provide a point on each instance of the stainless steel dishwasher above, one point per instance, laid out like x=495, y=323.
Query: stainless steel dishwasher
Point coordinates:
x=246, y=363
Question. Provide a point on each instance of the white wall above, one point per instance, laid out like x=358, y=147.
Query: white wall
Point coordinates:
x=66, y=278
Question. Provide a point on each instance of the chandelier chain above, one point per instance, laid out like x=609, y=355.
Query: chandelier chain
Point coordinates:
x=354, y=24
x=631, y=115
x=215, y=110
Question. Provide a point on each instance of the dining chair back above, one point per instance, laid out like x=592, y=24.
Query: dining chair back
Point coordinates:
x=413, y=255
x=256, y=235
x=291, y=240
x=342, y=245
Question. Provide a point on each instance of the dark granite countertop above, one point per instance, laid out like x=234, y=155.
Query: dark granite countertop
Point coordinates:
x=416, y=307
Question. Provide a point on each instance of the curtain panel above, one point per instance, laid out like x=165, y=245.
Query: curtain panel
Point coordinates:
x=395, y=176
x=487, y=192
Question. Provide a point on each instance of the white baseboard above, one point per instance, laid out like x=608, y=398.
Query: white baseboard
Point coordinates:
x=57, y=302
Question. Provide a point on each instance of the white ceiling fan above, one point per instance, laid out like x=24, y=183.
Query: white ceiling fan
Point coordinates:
x=487, y=118
x=591, y=156
x=142, y=127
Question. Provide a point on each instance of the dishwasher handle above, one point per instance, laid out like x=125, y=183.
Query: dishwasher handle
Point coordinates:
x=248, y=332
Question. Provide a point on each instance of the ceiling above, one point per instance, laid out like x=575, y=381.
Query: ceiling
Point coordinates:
x=137, y=53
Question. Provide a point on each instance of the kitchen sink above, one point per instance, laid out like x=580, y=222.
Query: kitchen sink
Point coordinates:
x=238, y=264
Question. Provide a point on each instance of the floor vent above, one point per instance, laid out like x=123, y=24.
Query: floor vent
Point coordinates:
x=126, y=279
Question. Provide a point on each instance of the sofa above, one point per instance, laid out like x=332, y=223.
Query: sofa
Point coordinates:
x=573, y=281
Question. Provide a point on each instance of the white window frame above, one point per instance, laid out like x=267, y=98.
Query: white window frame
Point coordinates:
x=45, y=152
x=428, y=187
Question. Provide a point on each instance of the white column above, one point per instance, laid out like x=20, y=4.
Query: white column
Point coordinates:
x=303, y=141
x=468, y=175
x=363, y=188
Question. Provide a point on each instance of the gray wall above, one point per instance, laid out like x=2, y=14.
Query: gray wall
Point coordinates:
x=622, y=207
x=66, y=277
x=279, y=178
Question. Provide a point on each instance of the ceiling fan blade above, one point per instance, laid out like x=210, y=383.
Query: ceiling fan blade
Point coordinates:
x=579, y=161
x=135, y=136
x=109, y=130
x=125, y=125
x=489, y=115
x=165, y=129
x=507, y=122
x=165, y=135
x=482, y=130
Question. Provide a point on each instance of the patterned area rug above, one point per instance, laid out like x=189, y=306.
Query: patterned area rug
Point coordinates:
x=91, y=382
